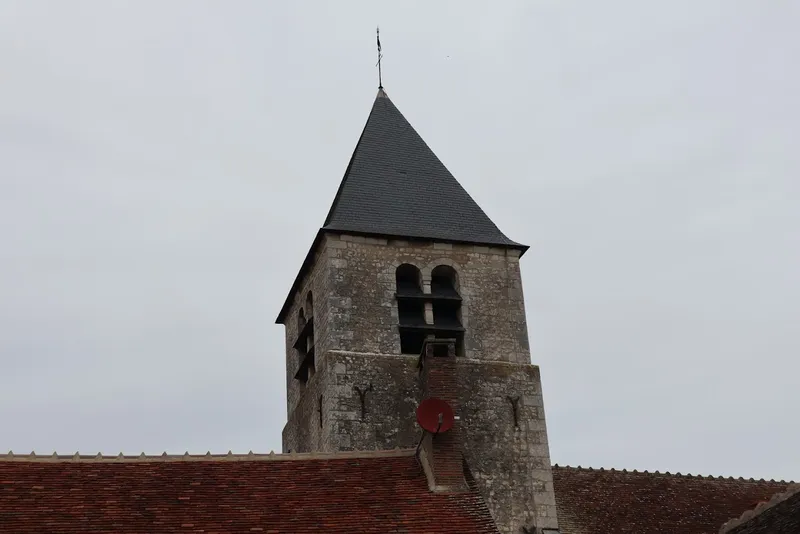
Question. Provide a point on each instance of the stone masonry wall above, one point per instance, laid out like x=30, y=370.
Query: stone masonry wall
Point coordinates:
x=303, y=431
x=363, y=310
x=510, y=462
x=509, y=458
x=388, y=420
x=318, y=282
x=389, y=415
x=358, y=346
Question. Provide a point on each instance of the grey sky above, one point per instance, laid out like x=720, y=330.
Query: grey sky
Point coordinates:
x=164, y=166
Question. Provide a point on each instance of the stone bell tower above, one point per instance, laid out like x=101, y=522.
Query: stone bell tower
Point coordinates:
x=406, y=257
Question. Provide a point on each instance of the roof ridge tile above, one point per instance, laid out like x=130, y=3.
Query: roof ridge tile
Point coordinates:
x=677, y=474
x=208, y=456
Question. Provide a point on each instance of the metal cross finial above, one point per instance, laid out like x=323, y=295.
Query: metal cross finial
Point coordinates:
x=380, y=56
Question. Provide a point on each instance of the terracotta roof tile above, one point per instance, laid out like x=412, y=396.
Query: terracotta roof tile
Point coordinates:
x=779, y=515
x=367, y=493
x=592, y=501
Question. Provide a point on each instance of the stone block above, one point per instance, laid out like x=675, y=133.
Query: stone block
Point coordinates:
x=353, y=238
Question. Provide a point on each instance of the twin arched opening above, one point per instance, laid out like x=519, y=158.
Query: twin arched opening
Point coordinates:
x=422, y=315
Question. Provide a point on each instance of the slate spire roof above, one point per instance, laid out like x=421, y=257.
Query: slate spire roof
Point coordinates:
x=396, y=186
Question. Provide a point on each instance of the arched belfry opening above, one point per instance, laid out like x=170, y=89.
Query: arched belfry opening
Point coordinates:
x=310, y=317
x=444, y=281
x=423, y=315
x=446, y=303
x=409, y=279
x=304, y=345
x=410, y=308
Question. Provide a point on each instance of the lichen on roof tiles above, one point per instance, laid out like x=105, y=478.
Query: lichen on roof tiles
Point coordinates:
x=591, y=501
x=340, y=493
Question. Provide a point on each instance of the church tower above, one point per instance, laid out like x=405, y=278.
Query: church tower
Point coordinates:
x=405, y=265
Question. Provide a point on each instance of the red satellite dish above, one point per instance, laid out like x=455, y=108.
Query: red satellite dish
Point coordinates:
x=435, y=415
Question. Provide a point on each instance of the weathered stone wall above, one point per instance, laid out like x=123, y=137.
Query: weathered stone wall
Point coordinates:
x=363, y=310
x=303, y=432
x=358, y=345
x=389, y=416
x=510, y=462
x=318, y=282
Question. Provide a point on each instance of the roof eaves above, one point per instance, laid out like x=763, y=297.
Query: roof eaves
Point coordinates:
x=512, y=245
x=304, y=268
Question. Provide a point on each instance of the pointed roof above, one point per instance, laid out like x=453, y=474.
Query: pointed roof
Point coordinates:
x=396, y=186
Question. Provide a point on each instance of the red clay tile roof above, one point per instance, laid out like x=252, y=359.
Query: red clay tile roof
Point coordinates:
x=592, y=501
x=366, y=493
x=781, y=515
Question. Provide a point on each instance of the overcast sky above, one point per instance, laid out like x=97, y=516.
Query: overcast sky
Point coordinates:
x=165, y=165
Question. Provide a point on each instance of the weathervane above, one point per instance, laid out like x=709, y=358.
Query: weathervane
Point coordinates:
x=380, y=56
